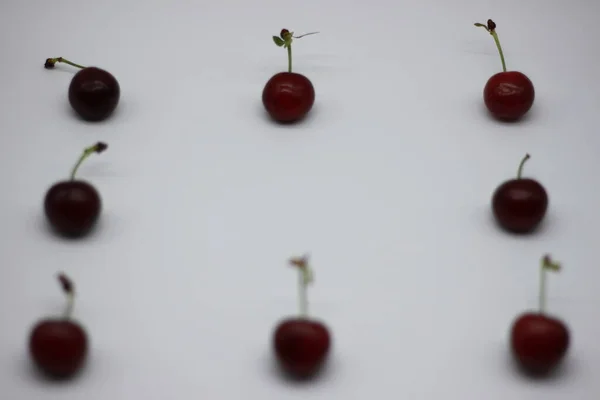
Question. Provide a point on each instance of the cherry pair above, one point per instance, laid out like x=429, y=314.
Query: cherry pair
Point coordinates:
x=59, y=346
x=289, y=96
x=72, y=207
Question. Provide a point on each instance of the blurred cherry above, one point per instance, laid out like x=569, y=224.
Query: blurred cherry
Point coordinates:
x=301, y=343
x=59, y=346
x=540, y=342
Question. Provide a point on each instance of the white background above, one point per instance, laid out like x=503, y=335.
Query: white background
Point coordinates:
x=387, y=185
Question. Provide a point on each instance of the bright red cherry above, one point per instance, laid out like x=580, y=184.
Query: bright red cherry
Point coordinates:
x=288, y=96
x=508, y=95
x=93, y=93
x=59, y=346
x=540, y=342
x=72, y=207
x=302, y=344
x=520, y=204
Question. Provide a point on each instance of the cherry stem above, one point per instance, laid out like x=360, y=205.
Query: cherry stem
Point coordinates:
x=69, y=290
x=491, y=28
x=305, y=277
x=521, y=165
x=97, y=148
x=288, y=38
x=50, y=62
x=547, y=264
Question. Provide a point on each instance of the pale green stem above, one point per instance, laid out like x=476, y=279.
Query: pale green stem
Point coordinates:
x=543, y=289
x=495, y=36
x=86, y=154
x=65, y=61
x=302, y=295
x=70, y=305
x=520, y=170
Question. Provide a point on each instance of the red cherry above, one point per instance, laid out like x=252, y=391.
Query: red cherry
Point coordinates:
x=301, y=346
x=508, y=95
x=93, y=93
x=72, y=207
x=288, y=96
x=519, y=205
x=59, y=346
x=539, y=342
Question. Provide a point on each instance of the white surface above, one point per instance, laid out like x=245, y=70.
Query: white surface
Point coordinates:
x=387, y=185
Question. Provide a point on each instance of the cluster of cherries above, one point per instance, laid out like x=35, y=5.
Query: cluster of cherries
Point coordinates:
x=59, y=346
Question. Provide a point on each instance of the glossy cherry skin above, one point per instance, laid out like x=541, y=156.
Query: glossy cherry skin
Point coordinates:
x=58, y=347
x=288, y=96
x=509, y=95
x=519, y=205
x=539, y=343
x=72, y=207
x=301, y=346
x=94, y=93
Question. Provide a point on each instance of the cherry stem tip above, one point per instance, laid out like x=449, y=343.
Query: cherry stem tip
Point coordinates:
x=491, y=28
x=547, y=264
x=97, y=148
x=66, y=284
x=51, y=63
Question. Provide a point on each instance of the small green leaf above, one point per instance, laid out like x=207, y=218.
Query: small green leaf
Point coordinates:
x=278, y=41
x=481, y=25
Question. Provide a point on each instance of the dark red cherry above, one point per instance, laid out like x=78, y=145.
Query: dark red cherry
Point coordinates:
x=519, y=205
x=288, y=96
x=509, y=95
x=539, y=342
x=72, y=207
x=58, y=347
x=301, y=346
x=94, y=93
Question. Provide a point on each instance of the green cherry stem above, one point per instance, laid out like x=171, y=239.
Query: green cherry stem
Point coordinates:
x=491, y=28
x=521, y=165
x=69, y=290
x=285, y=39
x=305, y=277
x=289, y=54
x=547, y=265
x=97, y=148
x=51, y=62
